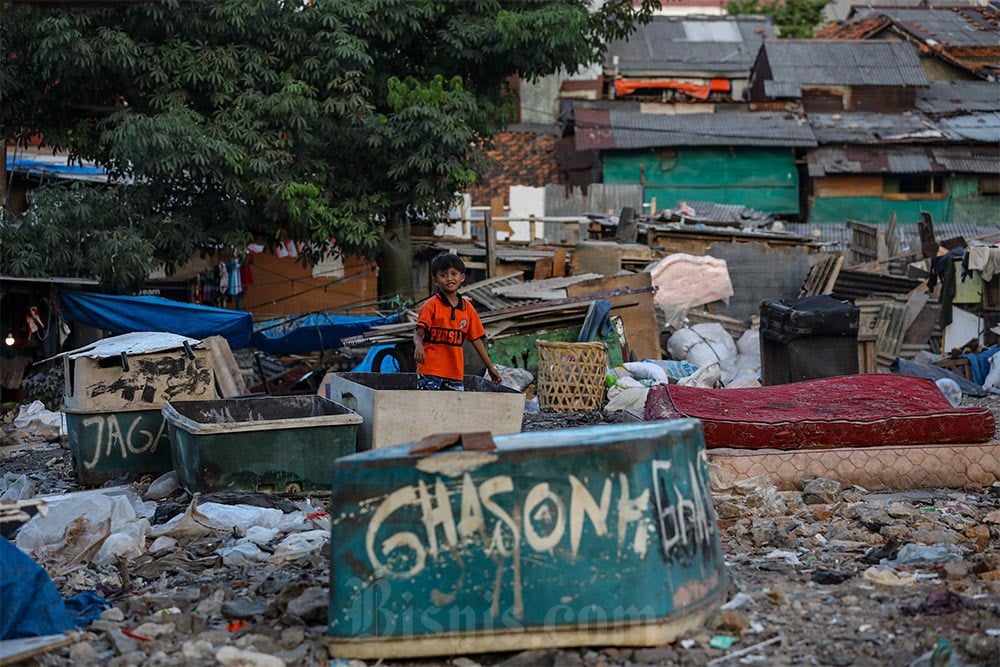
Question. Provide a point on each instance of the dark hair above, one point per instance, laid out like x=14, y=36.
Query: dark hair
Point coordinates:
x=445, y=261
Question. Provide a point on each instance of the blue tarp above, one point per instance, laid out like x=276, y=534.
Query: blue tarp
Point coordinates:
x=30, y=605
x=309, y=333
x=125, y=314
x=389, y=363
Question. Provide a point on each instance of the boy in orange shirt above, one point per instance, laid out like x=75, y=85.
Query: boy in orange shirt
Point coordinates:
x=445, y=321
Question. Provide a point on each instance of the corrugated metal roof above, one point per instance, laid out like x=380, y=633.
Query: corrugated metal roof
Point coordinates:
x=831, y=160
x=723, y=44
x=966, y=26
x=782, y=89
x=636, y=130
x=908, y=163
x=843, y=62
x=592, y=129
x=943, y=97
x=972, y=159
x=712, y=212
x=602, y=197
x=872, y=128
x=836, y=237
x=983, y=127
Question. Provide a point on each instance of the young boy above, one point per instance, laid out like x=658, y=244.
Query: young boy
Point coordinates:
x=446, y=320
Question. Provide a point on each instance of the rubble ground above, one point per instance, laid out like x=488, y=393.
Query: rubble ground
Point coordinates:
x=822, y=576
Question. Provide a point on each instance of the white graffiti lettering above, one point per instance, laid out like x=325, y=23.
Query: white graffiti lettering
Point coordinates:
x=678, y=510
x=110, y=442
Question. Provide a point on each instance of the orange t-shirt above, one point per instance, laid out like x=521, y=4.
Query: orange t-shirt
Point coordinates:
x=445, y=328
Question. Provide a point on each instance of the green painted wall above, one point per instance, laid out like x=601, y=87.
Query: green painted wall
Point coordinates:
x=765, y=179
x=982, y=211
x=876, y=209
x=963, y=204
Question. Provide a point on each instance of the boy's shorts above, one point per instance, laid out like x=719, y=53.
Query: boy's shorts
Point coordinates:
x=435, y=383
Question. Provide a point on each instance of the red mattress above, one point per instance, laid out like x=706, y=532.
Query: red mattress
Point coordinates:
x=848, y=411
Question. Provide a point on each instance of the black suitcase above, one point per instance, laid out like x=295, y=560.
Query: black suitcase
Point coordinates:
x=783, y=321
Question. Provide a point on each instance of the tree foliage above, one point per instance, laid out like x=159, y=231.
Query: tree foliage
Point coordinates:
x=229, y=121
x=793, y=18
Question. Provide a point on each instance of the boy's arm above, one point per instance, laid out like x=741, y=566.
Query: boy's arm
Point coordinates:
x=419, y=355
x=485, y=356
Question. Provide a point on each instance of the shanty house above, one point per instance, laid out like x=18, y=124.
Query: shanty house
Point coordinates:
x=834, y=76
x=942, y=157
x=953, y=43
x=686, y=59
x=734, y=157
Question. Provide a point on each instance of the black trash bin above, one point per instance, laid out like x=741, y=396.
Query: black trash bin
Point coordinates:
x=809, y=338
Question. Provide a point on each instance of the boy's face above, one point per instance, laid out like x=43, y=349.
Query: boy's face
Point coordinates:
x=449, y=280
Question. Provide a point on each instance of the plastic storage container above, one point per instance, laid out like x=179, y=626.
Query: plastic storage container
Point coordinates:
x=270, y=443
x=114, y=391
x=396, y=412
x=808, y=339
x=604, y=535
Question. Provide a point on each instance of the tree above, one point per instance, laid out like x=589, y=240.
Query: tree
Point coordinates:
x=237, y=120
x=793, y=18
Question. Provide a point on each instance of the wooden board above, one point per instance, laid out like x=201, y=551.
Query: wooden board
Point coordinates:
x=638, y=311
x=228, y=378
x=606, y=258
x=848, y=186
x=13, y=651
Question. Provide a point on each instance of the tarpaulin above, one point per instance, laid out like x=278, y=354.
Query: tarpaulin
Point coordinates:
x=30, y=605
x=310, y=333
x=698, y=91
x=126, y=314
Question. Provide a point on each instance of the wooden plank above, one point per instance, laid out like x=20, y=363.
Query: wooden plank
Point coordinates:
x=13, y=651
x=228, y=377
x=637, y=311
x=848, y=186
x=822, y=276
x=558, y=263
x=491, y=245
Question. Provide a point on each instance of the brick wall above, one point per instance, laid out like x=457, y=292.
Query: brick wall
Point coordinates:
x=522, y=158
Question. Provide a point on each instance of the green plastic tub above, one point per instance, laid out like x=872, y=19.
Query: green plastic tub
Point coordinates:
x=283, y=444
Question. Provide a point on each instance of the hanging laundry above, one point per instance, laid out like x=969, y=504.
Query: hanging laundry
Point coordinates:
x=235, y=287
x=223, y=277
x=246, y=275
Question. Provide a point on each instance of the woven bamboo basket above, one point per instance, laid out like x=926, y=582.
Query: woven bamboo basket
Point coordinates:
x=571, y=375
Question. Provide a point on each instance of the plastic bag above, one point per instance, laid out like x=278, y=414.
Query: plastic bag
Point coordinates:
x=703, y=344
x=644, y=370
x=627, y=399
x=706, y=376
x=749, y=342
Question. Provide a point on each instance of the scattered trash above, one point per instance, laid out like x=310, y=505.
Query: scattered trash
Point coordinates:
x=829, y=577
x=888, y=577
x=944, y=602
x=722, y=641
x=920, y=555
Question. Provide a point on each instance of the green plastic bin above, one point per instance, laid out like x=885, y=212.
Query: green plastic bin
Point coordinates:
x=284, y=444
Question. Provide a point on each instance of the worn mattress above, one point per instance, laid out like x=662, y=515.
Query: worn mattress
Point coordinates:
x=874, y=468
x=849, y=411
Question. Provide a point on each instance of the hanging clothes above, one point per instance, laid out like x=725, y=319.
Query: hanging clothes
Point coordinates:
x=235, y=287
x=246, y=275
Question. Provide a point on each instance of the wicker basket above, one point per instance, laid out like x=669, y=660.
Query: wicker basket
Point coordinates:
x=571, y=375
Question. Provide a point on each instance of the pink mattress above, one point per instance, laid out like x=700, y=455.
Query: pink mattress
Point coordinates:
x=848, y=411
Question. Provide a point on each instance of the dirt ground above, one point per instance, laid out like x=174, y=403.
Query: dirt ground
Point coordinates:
x=805, y=586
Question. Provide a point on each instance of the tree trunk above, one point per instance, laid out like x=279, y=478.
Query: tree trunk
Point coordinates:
x=396, y=263
x=3, y=172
